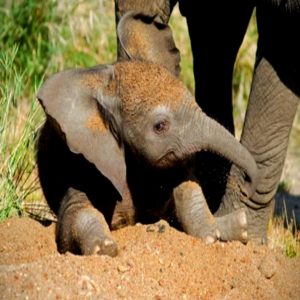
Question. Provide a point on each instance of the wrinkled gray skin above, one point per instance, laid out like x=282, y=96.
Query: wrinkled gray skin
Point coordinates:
x=128, y=130
x=273, y=99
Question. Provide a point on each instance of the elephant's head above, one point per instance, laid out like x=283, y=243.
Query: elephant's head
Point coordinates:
x=140, y=104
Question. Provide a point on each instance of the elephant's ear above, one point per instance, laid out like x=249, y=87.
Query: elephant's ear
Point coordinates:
x=142, y=37
x=85, y=106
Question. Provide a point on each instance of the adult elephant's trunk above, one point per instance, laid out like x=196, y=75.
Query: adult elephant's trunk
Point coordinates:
x=208, y=135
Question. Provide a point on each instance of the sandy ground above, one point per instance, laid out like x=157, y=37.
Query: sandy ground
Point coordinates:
x=154, y=262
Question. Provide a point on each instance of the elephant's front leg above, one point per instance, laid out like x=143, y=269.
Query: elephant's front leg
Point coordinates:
x=81, y=228
x=197, y=220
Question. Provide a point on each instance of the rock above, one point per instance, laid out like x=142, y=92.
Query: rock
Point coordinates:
x=268, y=266
x=159, y=227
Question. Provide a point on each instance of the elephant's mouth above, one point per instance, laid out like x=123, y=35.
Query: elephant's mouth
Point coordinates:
x=167, y=160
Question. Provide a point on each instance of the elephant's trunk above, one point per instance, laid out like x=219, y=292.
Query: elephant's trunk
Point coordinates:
x=211, y=136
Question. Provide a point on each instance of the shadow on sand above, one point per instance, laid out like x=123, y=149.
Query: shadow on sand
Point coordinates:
x=288, y=206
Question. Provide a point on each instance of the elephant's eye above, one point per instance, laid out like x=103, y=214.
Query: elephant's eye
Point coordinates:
x=161, y=126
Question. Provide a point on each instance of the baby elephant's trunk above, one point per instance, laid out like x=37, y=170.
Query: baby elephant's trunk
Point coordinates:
x=208, y=135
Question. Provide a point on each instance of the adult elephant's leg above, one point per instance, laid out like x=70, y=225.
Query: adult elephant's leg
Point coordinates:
x=268, y=122
x=216, y=32
x=272, y=105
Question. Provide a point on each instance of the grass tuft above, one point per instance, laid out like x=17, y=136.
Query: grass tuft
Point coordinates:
x=17, y=131
x=283, y=235
x=26, y=24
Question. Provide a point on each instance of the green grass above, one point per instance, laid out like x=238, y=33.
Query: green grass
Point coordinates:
x=282, y=235
x=18, y=123
x=39, y=38
x=182, y=41
x=25, y=24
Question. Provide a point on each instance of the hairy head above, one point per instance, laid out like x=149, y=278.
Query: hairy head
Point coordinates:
x=146, y=85
x=152, y=100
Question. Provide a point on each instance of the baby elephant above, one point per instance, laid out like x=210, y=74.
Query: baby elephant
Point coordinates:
x=116, y=142
x=129, y=125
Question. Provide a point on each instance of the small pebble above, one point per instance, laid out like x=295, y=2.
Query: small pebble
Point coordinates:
x=123, y=268
x=86, y=283
x=268, y=266
x=159, y=227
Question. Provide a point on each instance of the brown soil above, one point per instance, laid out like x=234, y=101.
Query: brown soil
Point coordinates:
x=154, y=262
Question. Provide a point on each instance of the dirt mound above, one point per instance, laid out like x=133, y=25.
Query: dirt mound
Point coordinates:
x=154, y=262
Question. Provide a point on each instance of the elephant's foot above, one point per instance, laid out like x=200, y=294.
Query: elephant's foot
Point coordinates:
x=233, y=226
x=257, y=213
x=193, y=212
x=92, y=233
x=83, y=229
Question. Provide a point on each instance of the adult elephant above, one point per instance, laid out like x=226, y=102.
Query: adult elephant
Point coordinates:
x=216, y=30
